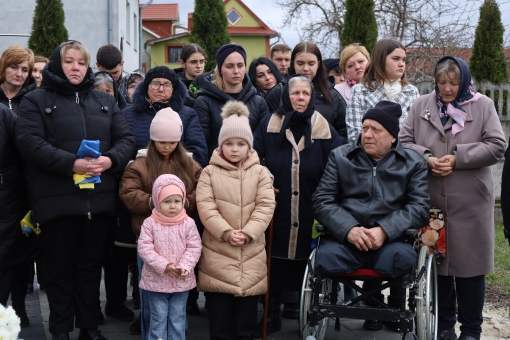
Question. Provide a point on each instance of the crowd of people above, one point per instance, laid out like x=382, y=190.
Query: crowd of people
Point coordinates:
x=176, y=174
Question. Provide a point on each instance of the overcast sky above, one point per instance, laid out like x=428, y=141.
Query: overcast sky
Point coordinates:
x=273, y=15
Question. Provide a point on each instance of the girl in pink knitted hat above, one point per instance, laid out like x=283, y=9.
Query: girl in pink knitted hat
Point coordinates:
x=170, y=247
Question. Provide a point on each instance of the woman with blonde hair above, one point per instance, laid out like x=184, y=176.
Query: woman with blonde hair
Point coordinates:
x=16, y=65
x=51, y=126
x=353, y=62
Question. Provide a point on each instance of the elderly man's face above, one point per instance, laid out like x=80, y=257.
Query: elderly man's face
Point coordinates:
x=375, y=139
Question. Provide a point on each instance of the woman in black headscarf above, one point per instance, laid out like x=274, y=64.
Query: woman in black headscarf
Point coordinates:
x=295, y=143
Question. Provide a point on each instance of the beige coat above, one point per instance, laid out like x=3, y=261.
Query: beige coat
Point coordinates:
x=467, y=195
x=231, y=198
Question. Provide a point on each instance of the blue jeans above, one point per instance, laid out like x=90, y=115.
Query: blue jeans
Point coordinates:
x=145, y=308
x=167, y=315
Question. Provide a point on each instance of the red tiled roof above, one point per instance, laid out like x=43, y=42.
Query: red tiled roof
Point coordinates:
x=161, y=12
x=251, y=31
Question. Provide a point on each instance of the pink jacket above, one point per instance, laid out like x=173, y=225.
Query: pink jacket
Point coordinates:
x=161, y=244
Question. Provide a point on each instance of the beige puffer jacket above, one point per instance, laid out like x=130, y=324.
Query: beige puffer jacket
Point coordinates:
x=230, y=198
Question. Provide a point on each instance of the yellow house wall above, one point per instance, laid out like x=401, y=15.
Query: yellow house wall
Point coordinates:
x=255, y=47
x=246, y=19
x=159, y=51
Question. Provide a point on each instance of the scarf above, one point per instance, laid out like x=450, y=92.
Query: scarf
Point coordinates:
x=123, y=85
x=165, y=220
x=350, y=82
x=465, y=95
x=299, y=123
x=392, y=88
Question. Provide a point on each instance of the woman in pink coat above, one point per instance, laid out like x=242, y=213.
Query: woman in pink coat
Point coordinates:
x=170, y=247
x=458, y=132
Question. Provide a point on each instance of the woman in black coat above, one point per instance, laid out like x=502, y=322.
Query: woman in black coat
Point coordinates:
x=306, y=59
x=230, y=83
x=52, y=123
x=15, y=249
x=295, y=143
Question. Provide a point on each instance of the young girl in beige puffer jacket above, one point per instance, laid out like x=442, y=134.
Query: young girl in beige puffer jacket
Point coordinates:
x=235, y=201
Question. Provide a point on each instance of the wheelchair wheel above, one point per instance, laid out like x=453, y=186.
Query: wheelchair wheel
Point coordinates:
x=426, y=299
x=319, y=331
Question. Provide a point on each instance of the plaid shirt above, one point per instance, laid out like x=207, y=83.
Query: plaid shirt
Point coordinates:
x=363, y=99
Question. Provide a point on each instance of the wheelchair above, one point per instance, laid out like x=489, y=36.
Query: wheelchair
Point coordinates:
x=417, y=313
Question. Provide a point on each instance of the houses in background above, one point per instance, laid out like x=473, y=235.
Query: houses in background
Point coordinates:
x=244, y=27
x=99, y=22
x=92, y=22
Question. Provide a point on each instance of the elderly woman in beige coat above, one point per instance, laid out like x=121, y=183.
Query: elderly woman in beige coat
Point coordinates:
x=235, y=200
x=458, y=132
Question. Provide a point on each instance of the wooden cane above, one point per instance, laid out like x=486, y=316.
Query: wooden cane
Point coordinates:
x=269, y=255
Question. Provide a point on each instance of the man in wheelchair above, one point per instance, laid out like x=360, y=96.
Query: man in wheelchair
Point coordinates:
x=369, y=195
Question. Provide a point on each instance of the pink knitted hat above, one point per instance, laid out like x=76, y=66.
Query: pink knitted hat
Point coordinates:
x=169, y=190
x=166, y=126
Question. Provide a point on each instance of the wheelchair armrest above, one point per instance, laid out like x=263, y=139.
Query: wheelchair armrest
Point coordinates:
x=412, y=232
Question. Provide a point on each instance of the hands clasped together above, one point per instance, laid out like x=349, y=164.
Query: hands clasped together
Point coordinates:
x=237, y=238
x=92, y=166
x=170, y=269
x=443, y=166
x=367, y=239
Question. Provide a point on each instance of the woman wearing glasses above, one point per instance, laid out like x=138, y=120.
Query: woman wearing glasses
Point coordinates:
x=52, y=123
x=162, y=88
x=193, y=60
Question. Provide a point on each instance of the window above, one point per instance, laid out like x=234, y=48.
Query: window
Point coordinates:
x=128, y=22
x=233, y=17
x=174, y=54
x=135, y=33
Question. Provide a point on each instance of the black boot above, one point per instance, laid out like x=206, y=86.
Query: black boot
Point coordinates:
x=291, y=305
x=136, y=327
x=119, y=311
x=274, y=317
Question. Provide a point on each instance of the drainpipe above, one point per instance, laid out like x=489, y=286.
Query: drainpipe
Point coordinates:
x=110, y=22
x=140, y=29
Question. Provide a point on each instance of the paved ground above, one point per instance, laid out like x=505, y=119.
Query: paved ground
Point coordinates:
x=38, y=312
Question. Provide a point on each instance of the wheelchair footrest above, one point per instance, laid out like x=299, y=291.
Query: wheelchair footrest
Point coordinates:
x=362, y=313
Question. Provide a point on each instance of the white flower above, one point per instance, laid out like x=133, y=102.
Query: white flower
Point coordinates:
x=9, y=324
x=436, y=224
x=429, y=238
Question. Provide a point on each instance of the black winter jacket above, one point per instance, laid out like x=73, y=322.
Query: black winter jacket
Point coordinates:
x=14, y=102
x=141, y=112
x=210, y=101
x=334, y=112
x=393, y=194
x=52, y=122
x=13, y=198
x=297, y=172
